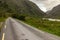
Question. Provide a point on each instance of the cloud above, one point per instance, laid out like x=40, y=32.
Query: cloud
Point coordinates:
x=46, y=4
x=40, y=4
x=42, y=7
x=51, y=3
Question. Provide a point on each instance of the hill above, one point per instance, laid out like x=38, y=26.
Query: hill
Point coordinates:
x=24, y=7
x=55, y=12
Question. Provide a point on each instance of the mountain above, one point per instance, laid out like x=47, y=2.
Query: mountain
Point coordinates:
x=55, y=12
x=24, y=7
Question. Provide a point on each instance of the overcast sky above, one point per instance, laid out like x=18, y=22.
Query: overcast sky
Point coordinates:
x=46, y=4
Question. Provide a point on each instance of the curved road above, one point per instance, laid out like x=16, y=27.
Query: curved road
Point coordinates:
x=17, y=30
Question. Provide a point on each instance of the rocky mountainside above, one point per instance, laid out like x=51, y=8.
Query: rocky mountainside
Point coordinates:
x=24, y=7
x=55, y=12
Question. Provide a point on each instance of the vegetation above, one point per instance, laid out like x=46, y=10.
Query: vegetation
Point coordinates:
x=2, y=19
x=24, y=7
x=1, y=22
x=45, y=25
x=3, y=12
x=52, y=27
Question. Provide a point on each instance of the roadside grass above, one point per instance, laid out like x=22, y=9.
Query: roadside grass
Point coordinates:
x=52, y=27
x=2, y=19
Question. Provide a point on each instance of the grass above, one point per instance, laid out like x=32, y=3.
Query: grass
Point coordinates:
x=52, y=27
x=2, y=19
x=1, y=22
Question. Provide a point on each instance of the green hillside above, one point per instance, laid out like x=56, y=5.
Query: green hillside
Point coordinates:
x=25, y=7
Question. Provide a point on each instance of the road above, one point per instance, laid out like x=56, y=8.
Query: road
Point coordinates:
x=17, y=30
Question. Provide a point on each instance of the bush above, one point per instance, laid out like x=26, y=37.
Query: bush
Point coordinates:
x=22, y=18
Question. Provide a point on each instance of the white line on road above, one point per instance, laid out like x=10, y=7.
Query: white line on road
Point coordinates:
x=3, y=36
x=5, y=26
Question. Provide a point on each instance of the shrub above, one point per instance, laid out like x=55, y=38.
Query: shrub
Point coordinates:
x=22, y=18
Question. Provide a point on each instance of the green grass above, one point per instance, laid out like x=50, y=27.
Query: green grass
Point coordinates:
x=45, y=25
x=1, y=21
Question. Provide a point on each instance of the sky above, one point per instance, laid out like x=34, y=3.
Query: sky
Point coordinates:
x=46, y=5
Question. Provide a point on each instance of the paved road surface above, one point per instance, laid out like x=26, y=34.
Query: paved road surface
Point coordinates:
x=15, y=30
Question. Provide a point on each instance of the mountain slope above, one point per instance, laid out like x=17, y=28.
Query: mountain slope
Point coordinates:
x=55, y=12
x=25, y=7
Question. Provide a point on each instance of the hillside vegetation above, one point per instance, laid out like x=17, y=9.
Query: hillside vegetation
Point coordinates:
x=25, y=7
x=3, y=13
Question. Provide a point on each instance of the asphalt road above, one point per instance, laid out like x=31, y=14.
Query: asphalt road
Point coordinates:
x=17, y=30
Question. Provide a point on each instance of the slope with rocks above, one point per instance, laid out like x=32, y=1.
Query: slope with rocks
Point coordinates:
x=55, y=12
x=25, y=7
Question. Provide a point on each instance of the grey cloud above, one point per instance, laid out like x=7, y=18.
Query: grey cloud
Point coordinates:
x=48, y=4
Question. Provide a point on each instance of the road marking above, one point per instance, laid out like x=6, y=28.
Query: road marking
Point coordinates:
x=3, y=36
x=5, y=26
